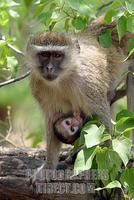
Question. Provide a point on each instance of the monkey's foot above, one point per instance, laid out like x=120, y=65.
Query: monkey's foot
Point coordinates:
x=42, y=174
x=36, y=176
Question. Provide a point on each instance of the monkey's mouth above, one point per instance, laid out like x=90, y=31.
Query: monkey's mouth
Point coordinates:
x=50, y=77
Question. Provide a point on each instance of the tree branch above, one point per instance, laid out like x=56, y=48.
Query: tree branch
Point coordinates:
x=130, y=93
x=105, y=5
x=15, y=79
x=118, y=95
x=15, y=49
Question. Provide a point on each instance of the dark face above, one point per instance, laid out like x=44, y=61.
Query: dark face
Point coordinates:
x=50, y=62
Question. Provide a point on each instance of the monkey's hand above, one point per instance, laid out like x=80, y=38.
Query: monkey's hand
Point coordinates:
x=76, y=120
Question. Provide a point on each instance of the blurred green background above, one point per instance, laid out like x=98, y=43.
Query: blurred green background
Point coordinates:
x=18, y=106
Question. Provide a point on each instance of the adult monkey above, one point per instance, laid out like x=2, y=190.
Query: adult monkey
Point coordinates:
x=71, y=74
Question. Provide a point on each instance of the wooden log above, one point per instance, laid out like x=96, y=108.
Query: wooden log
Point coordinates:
x=17, y=165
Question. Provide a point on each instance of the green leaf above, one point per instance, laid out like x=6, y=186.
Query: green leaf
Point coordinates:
x=67, y=21
x=4, y=18
x=3, y=43
x=121, y=27
x=28, y=2
x=105, y=137
x=131, y=44
x=55, y=15
x=110, y=161
x=8, y=3
x=130, y=54
x=122, y=146
x=111, y=185
x=105, y=39
x=108, y=16
x=84, y=160
x=125, y=124
x=79, y=23
x=80, y=6
x=116, y=4
x=124, y=113
x=51, y=25
x=130, y=6
x=45, y=17
x=75, y=4
x=130, y=24
x=11, y=64
x=13, y=13
x=127, y=180
x=93, y=135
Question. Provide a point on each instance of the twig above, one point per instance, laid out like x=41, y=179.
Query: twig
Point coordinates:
x=15, y=49
x=15, y=79
x=105, y=5
x=4, y=139
x=118, y=95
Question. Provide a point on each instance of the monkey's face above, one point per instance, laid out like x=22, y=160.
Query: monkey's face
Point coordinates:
x=70, y=127
x=67, y=129
x=50, y=63
x=51, y=55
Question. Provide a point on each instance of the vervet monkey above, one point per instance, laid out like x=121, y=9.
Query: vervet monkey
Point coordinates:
x=71, y=74
x=68, y=127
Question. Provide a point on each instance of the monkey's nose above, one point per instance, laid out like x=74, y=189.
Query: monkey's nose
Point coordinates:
x=49, y=68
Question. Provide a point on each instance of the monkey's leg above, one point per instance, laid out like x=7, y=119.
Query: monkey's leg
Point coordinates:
x=53, y=148
x=104, y=113
x=53, y=144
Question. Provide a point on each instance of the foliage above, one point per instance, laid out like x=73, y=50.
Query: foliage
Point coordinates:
x=112, y=159
x=18, y=19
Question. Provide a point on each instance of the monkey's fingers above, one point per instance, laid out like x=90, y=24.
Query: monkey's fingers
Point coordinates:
x=76, y=121
x=76, y=114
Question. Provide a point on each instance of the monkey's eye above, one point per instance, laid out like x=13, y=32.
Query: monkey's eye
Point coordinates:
x=72, y=129
x=44, y=55
x=67, y=122
x=58, y=55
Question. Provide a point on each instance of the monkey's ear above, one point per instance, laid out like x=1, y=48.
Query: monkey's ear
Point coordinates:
x=76, y=45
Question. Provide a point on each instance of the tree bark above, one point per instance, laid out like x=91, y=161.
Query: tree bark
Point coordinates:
x=16, y=167
x=130, y=93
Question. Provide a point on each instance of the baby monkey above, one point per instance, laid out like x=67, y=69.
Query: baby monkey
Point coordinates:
x=67, y=128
